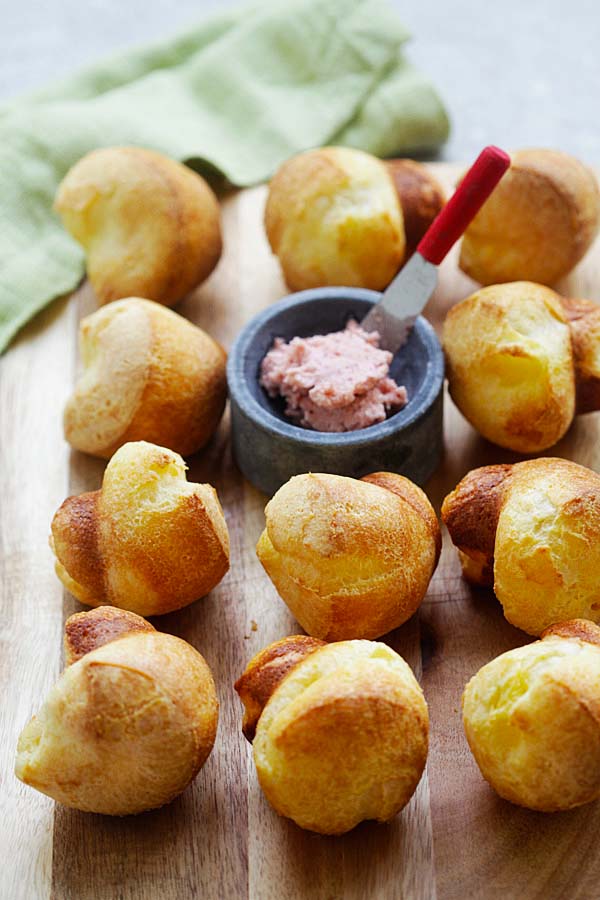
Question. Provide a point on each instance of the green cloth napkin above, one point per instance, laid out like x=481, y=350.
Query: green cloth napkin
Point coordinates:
x=239, y=93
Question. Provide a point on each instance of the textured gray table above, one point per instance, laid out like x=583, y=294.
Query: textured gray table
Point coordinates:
x=518, y=73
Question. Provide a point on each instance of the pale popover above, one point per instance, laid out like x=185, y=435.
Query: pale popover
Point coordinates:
x=340, y=731
x=537, y=224
x=148, y=374
x=532, y=719
x=532, y=530
x=128, y=725
x=350, y=558
x=148, y=541
x=421, y=198
x=333, y=218
x=521, y=361
x=150, y=226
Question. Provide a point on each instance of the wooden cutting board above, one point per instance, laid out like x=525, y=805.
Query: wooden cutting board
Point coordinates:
x=220, y=839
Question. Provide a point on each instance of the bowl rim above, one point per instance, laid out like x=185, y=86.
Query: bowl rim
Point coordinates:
x=244, y=399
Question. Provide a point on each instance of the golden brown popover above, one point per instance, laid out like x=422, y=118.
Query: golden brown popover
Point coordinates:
x=129, y=723
x=537, y=224
x=148, y=541
x=150, y=226
x=351, y=558
x=532, y=530
x=333, y=218
x=148, y=374
x=532, y=719
x=510, y=364
x=340, y=731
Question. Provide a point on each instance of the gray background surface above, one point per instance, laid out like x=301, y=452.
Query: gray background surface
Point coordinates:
x=517, y=73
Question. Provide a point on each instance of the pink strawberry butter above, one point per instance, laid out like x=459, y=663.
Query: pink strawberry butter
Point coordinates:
x=333, y=382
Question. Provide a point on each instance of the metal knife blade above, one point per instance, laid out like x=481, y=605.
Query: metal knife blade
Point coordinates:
x=395, y=314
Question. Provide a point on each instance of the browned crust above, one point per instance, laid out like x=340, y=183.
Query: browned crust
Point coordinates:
x=471, y=514
x=583, y=317
x=580, y=629
x=85, y=631
x=183, y=558
x=265, y=672
x=75, y=542
x=532, y=425
x=421, y=198
x=415, y=498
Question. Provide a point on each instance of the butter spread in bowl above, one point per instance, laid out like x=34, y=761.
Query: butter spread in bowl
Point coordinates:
x=333, y=382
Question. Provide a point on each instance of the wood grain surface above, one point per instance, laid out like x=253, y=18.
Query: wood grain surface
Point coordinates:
x=220, y=839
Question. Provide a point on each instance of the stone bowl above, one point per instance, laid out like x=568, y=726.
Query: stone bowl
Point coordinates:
x=269, y=448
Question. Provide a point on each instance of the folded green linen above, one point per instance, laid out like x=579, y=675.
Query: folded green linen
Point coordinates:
x=239, y=93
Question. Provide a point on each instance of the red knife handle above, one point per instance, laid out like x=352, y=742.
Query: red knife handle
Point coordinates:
x=465, y=203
